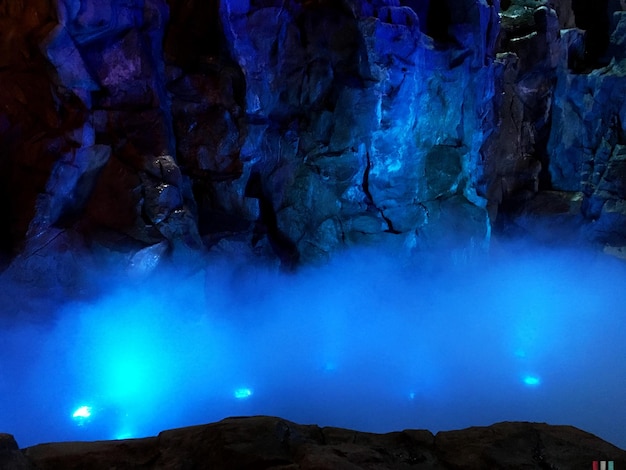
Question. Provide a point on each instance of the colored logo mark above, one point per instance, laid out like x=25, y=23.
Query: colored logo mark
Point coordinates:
x=603, y=465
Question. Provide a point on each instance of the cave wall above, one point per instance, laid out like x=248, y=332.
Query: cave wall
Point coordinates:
x=291, y=129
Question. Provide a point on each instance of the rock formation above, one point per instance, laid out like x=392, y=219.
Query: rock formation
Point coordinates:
x=274, y=443
x=137, y=130
x=291, y=129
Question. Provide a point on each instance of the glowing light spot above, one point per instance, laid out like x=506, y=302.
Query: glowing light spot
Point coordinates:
x=82, y=412
x=412, y=396
x=243, y=393
x=531, y=380
x=82, y=415
x=123, y=435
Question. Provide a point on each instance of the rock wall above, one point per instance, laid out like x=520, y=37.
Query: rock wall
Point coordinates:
x=341, y=140
x=289, y=129
x=564, y=89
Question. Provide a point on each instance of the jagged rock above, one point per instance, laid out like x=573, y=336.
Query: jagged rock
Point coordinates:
x=565, y=129
x=613, y=180
x=147, y=259
x=304, y=126
x=360, y=159
x=587, y=144
x=586, y=126
x=69, y=187
x=522, y=445
x=517, y=159
x=365, y=71
x=617, y=41
x=10, y=456
x=274, y=443
x=109, y=54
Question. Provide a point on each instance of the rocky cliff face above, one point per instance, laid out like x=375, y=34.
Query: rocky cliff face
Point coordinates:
x=291, y=129
x=274, y=443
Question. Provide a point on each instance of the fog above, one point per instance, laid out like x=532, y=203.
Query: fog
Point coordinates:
x=368, y=341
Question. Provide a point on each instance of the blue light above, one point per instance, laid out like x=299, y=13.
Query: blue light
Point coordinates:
x=243, y=393
x=532, y=381
x=197, y=354
x=82, y=412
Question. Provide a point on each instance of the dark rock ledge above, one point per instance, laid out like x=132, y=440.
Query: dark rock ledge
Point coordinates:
x=273, y=443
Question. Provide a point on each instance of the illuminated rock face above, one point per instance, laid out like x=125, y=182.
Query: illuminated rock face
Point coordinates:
x=293, y=129
x=588, y=145
x=567, y=110
x=356, y=129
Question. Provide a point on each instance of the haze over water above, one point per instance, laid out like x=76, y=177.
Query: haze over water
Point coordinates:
x=367, y=341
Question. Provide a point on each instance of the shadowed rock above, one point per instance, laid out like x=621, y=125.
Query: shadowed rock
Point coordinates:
x=274, y=443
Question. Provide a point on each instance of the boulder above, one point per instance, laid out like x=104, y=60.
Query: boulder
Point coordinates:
x=587, y=142
x=305, y=127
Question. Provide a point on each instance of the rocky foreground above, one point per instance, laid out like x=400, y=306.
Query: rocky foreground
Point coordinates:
x=264, y=442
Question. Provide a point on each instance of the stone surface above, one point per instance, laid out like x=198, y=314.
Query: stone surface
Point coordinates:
x=587, y=141
x=305, y=127
x=11, y=458
x=261, y=106
x=274, y=443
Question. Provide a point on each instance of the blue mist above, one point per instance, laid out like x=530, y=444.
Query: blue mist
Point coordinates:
x=363, y=342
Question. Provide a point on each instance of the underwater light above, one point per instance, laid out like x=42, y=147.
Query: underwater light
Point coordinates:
x=531, y=380
x=82, y=412
x=243, y=393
